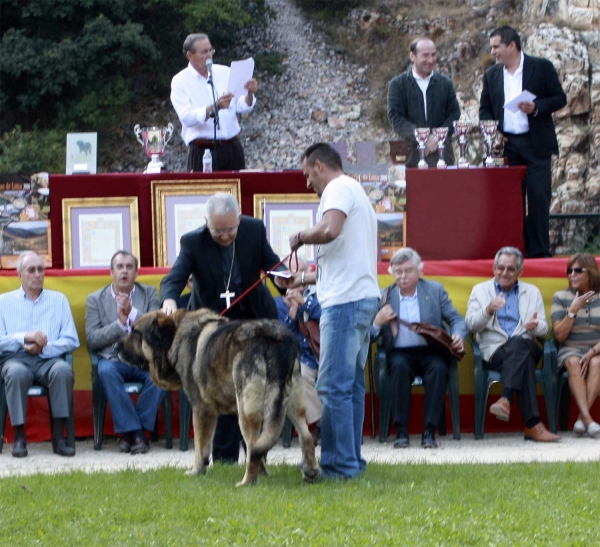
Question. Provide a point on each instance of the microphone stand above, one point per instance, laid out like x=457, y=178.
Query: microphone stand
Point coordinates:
x=214, y=114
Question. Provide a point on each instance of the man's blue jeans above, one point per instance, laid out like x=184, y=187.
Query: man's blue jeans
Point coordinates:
x=126, y=416
x=341, y=385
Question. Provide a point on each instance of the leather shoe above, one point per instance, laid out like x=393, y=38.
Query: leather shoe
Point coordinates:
x=140, y=446
x=593, y=430
x=63, y=449
x=501, y=409
x=579, y=428
x=19, y=449
x=125, y=444
x=428, y=439
x=401, y=439
x=540, y=434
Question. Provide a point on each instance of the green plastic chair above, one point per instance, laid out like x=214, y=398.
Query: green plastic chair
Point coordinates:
x=99, y=402
x=36, y=390
x=484, y=379
x=385, y=397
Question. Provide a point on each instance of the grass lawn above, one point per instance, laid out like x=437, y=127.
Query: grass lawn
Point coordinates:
x=504, y=505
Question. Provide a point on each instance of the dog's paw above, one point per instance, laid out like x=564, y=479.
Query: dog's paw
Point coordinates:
x=196, y=471
x=247, y=481
x=311, y=475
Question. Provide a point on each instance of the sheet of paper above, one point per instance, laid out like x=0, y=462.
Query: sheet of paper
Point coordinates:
x=241, y=72
x=523, y=97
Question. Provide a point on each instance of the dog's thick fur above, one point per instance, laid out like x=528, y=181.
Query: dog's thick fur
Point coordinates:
x=251, y=368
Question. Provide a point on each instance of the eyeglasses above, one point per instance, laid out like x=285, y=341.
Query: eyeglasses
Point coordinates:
x=509, y=269
x=206, y=51
x=576, y=270
x=407, y=271
x=221, y=231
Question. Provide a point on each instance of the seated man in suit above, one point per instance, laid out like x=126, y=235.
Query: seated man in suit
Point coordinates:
x=36, y=329
x=109, y=314
x=408, y=354
x=506, y=315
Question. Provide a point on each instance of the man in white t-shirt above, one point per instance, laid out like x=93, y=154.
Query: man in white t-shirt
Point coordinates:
x=346, y=278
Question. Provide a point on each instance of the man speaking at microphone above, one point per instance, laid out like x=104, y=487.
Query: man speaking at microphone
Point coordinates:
x=192, y=98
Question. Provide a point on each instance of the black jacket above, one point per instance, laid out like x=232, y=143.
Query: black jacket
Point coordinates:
x=539, y=77
x=200, y=256
x=406, y=111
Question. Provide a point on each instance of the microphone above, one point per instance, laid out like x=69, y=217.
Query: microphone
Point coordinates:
x=209, y=64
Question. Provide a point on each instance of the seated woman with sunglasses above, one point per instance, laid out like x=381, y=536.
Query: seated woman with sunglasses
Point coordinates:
x=576, y=323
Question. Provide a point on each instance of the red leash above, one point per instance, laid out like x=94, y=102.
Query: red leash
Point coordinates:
x=261, y=278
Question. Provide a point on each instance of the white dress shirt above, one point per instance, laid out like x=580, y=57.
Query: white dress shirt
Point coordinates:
x=514, y=122
x=423, y=84
x=191, y=94
x=409, y=312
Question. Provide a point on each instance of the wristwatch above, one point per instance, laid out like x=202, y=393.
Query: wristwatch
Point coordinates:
x=571, y=315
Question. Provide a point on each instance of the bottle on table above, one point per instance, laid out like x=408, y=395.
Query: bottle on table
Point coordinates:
x=207, y=162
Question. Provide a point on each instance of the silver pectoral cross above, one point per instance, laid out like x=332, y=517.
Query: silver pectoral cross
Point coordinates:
x=227, y=295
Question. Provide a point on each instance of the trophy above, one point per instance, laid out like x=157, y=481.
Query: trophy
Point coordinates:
x=488, y=131
x=440, y=134
x=154, y=140
x=422, y=134
x=461, y=128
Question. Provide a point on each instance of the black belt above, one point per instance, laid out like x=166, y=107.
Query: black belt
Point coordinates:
x=205, y=143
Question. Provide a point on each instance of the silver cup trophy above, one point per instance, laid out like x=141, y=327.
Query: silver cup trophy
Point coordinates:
x=154, y=140
x=440, y=134
x=488, y=131
x=422, y=134
x=461, y=128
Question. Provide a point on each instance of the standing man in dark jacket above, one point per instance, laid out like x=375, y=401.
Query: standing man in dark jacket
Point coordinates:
x=422, y=98
x=528, y=132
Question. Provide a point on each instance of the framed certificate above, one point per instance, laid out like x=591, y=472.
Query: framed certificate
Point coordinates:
x=285, y=215
x=96, y=228
x=179, y=207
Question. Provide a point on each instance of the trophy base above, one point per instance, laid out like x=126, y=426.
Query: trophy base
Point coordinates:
x=490, y=162
x=152, y=169
x=463, y=164
x=155, y=165
x=422, y=165
x=441, y=164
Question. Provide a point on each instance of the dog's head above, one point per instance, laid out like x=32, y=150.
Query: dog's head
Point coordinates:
x=147, y=347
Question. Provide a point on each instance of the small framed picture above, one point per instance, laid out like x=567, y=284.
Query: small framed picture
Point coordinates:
x=179, y=207
x=285, y=215
x=95, y=228
x=82, y=153
x=391, y=233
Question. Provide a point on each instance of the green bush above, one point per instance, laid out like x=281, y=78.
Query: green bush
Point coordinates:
x=32, y=151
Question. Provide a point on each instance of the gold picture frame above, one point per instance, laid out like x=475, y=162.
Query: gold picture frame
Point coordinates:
x=285, y=215
x=95, y=228
x=177, y=209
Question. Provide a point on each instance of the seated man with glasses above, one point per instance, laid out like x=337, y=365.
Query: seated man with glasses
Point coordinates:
x=506, y=315
x=192, y=98
x=225, y=257
x=408, y=354
x=109, y=314
x=36, y=330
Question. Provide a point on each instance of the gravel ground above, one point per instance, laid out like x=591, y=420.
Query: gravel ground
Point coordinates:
x=496, y=448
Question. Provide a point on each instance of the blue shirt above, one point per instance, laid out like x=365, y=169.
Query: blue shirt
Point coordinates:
x=311, y=310
x=50, y=313
x=508, y=316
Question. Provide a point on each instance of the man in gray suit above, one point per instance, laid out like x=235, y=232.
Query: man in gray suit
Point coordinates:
x=408, y=354
x=109, y=314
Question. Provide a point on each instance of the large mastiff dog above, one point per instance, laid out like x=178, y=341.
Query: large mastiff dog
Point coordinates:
x=251, y=368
